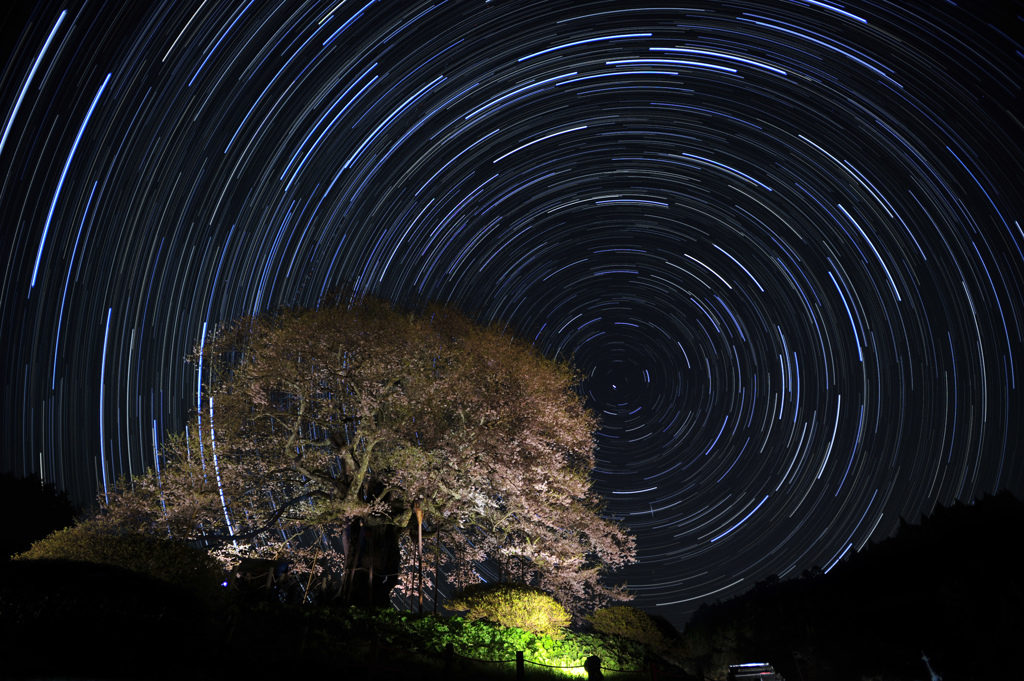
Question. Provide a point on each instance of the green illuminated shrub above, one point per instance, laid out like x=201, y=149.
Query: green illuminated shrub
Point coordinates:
x=514, y=605
x=165, y=559
x=629, y=623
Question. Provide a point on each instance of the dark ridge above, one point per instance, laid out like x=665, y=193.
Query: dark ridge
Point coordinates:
x=949, y=587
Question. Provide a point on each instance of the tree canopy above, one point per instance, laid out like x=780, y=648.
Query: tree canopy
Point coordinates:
x=340, y=435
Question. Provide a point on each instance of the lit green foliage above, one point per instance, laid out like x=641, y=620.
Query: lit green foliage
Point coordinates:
x=427, y=636
x=514, y=605
x=162, y=558
x=630, y=623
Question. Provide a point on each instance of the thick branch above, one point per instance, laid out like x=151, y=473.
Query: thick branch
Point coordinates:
x=296, y=429
x=360, y=474
x=269, y=523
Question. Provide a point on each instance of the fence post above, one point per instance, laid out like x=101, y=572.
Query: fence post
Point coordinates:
x=230, y=630
x=593, y=667
x=374, y=652
x=520, y=666
x=449, y=657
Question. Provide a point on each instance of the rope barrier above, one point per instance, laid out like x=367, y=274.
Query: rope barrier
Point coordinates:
x=580, y=666
x=554, y=666
x=477, y=659
x=439, y=656
x=623, y=671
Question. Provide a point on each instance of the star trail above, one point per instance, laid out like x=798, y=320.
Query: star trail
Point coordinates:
x=782, y=241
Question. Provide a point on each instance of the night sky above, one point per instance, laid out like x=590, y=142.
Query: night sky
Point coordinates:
x=782, y=240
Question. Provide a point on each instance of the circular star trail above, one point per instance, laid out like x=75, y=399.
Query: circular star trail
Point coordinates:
x=781, y=241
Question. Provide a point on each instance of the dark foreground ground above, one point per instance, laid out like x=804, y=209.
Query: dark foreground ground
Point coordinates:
x=950, y=587
x=68, y=620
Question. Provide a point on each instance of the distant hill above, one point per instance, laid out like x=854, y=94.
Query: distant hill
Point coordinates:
x=950, y=587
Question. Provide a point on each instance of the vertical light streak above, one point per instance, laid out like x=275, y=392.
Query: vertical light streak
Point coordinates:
x=156, y=463
x=199, y=400
x=216, y=470
x=103, y=378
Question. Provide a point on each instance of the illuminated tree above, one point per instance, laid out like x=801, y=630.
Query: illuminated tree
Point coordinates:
x=330, y=435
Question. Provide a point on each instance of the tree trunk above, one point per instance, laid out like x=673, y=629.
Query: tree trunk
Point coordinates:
x=372, y=563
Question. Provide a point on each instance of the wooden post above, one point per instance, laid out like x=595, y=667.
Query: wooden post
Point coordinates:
x=520, y=666
x=309, y=581
x=449, y=658
x=230, y=630
x=419, y=546
x=654, y=671
x=437, y=563
x=374, y=651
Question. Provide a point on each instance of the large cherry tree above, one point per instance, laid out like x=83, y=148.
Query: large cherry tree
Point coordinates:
x=341, y=435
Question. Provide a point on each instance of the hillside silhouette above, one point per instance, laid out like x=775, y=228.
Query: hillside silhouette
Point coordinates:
x=40, y=508
x=949, y=587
